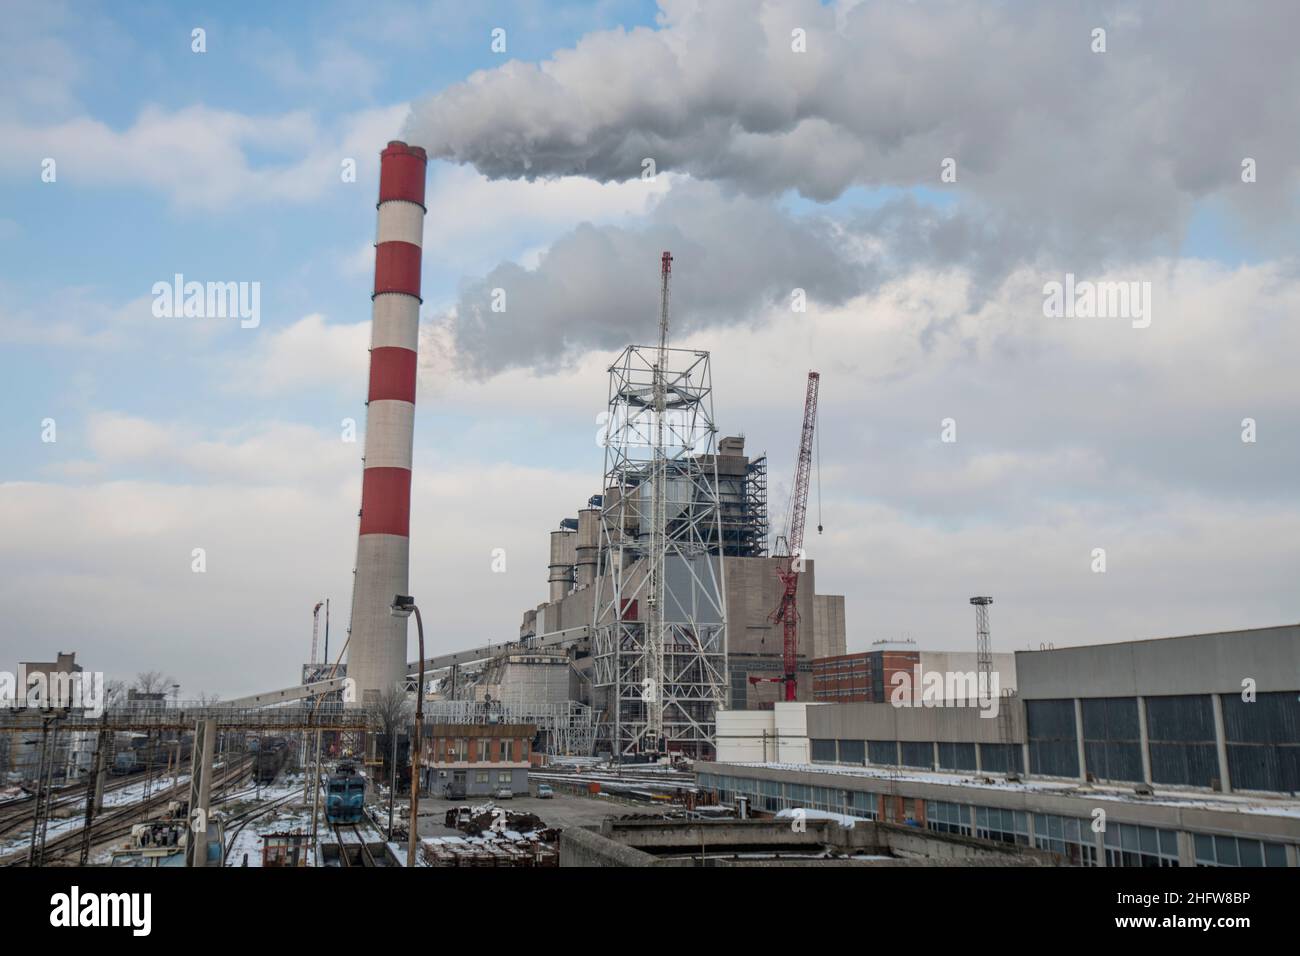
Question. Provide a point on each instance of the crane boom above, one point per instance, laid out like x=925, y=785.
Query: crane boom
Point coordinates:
x=787, y=613
x=803, y=467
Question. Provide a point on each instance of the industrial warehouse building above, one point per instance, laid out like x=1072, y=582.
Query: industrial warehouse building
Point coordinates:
x=1178, y=751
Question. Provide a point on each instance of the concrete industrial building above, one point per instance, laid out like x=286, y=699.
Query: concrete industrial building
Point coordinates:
x=751, y=590
x=1190, y=747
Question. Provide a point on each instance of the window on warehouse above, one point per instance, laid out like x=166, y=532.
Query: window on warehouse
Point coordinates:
x=862, y=804
x=1180, y=732
x=1004, y=826
x=1129, y=844
x=1053, y=749
x=883, y=752
x=1213, y=850
x=823, y=751
x=1070, y=837
x=853, y=751
x=1002, y=758
x=916, y=754
x=1112, y=742
x=947, y=817
x=956, y=756
x=1263, y=738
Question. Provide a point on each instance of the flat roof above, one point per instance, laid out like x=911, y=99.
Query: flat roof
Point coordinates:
x=1280, y=806
x=1150, y=640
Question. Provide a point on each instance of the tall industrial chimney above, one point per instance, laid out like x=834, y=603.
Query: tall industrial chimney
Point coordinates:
x=377, y=644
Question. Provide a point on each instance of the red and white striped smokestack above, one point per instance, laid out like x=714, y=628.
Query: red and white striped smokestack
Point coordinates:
x=377, y=645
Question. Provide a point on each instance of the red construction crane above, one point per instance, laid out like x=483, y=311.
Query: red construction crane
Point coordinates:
x=787, y=614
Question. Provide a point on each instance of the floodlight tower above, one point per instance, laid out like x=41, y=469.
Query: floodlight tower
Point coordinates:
x=983, y=646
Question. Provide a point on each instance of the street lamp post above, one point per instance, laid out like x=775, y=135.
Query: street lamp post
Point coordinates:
x=403, y=605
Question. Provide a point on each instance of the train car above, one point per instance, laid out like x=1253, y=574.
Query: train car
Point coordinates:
x=345, y=795
x=127, y=762
x=270, y=763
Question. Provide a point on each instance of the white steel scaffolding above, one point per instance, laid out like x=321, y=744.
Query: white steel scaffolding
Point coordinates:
x=659, y=638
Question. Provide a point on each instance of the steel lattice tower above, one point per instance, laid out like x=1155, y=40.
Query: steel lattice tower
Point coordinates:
x=659, y=639
x=983, y=646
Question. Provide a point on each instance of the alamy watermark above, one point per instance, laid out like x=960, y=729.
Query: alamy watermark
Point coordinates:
x=208, y=300
x=1098, y=300
x=78, y=690
x=917, y=688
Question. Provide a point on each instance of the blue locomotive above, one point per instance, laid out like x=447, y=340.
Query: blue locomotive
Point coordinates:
x=345, y=793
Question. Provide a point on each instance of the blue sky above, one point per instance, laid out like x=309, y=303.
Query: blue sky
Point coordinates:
x=111, y=242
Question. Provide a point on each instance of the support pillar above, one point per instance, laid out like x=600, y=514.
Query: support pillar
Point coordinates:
x=205, y=734
x=1221, y=744
x=1144, y=740
x=1078, y=740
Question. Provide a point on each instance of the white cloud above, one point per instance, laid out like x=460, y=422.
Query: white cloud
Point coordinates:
x=199, y=157
x=309, y=354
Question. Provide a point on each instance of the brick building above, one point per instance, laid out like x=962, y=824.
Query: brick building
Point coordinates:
x=864, y=676
x=475, y=759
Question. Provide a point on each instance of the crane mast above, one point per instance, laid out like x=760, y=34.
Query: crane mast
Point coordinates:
x=787, y=614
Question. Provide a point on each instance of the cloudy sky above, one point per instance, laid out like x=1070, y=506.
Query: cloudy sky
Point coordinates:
x=921, y=170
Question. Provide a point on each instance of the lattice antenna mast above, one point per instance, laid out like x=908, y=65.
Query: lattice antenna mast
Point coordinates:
x=315, y=629
x=654, y=683
x=983, y=645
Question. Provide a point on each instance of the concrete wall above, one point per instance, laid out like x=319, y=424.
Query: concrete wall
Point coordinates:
x=868, y=721
x=830, y=638
x=745, y=736
x=791, y=721
x=579, y=847
x=1199, y=664
x=1004, y=665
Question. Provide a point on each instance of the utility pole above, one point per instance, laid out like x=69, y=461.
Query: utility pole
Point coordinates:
x=392, y=781
x=403, y=605
x=93, y=790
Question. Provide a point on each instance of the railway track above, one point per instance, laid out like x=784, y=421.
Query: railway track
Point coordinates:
x=367, y=858
x=115, y=823
x=18, y=813
x=15, y=814
x=247, y=817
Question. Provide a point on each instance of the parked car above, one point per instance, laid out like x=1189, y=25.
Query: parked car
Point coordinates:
x=503, y=793
x=544, y=791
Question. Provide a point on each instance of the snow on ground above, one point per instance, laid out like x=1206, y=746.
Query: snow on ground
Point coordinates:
x=132, y=793
x=843, y=819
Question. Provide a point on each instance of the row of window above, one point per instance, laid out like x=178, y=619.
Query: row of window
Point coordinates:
x=458, y=750
x=1125, y=844
x=993, y=758
x=1261, y=736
